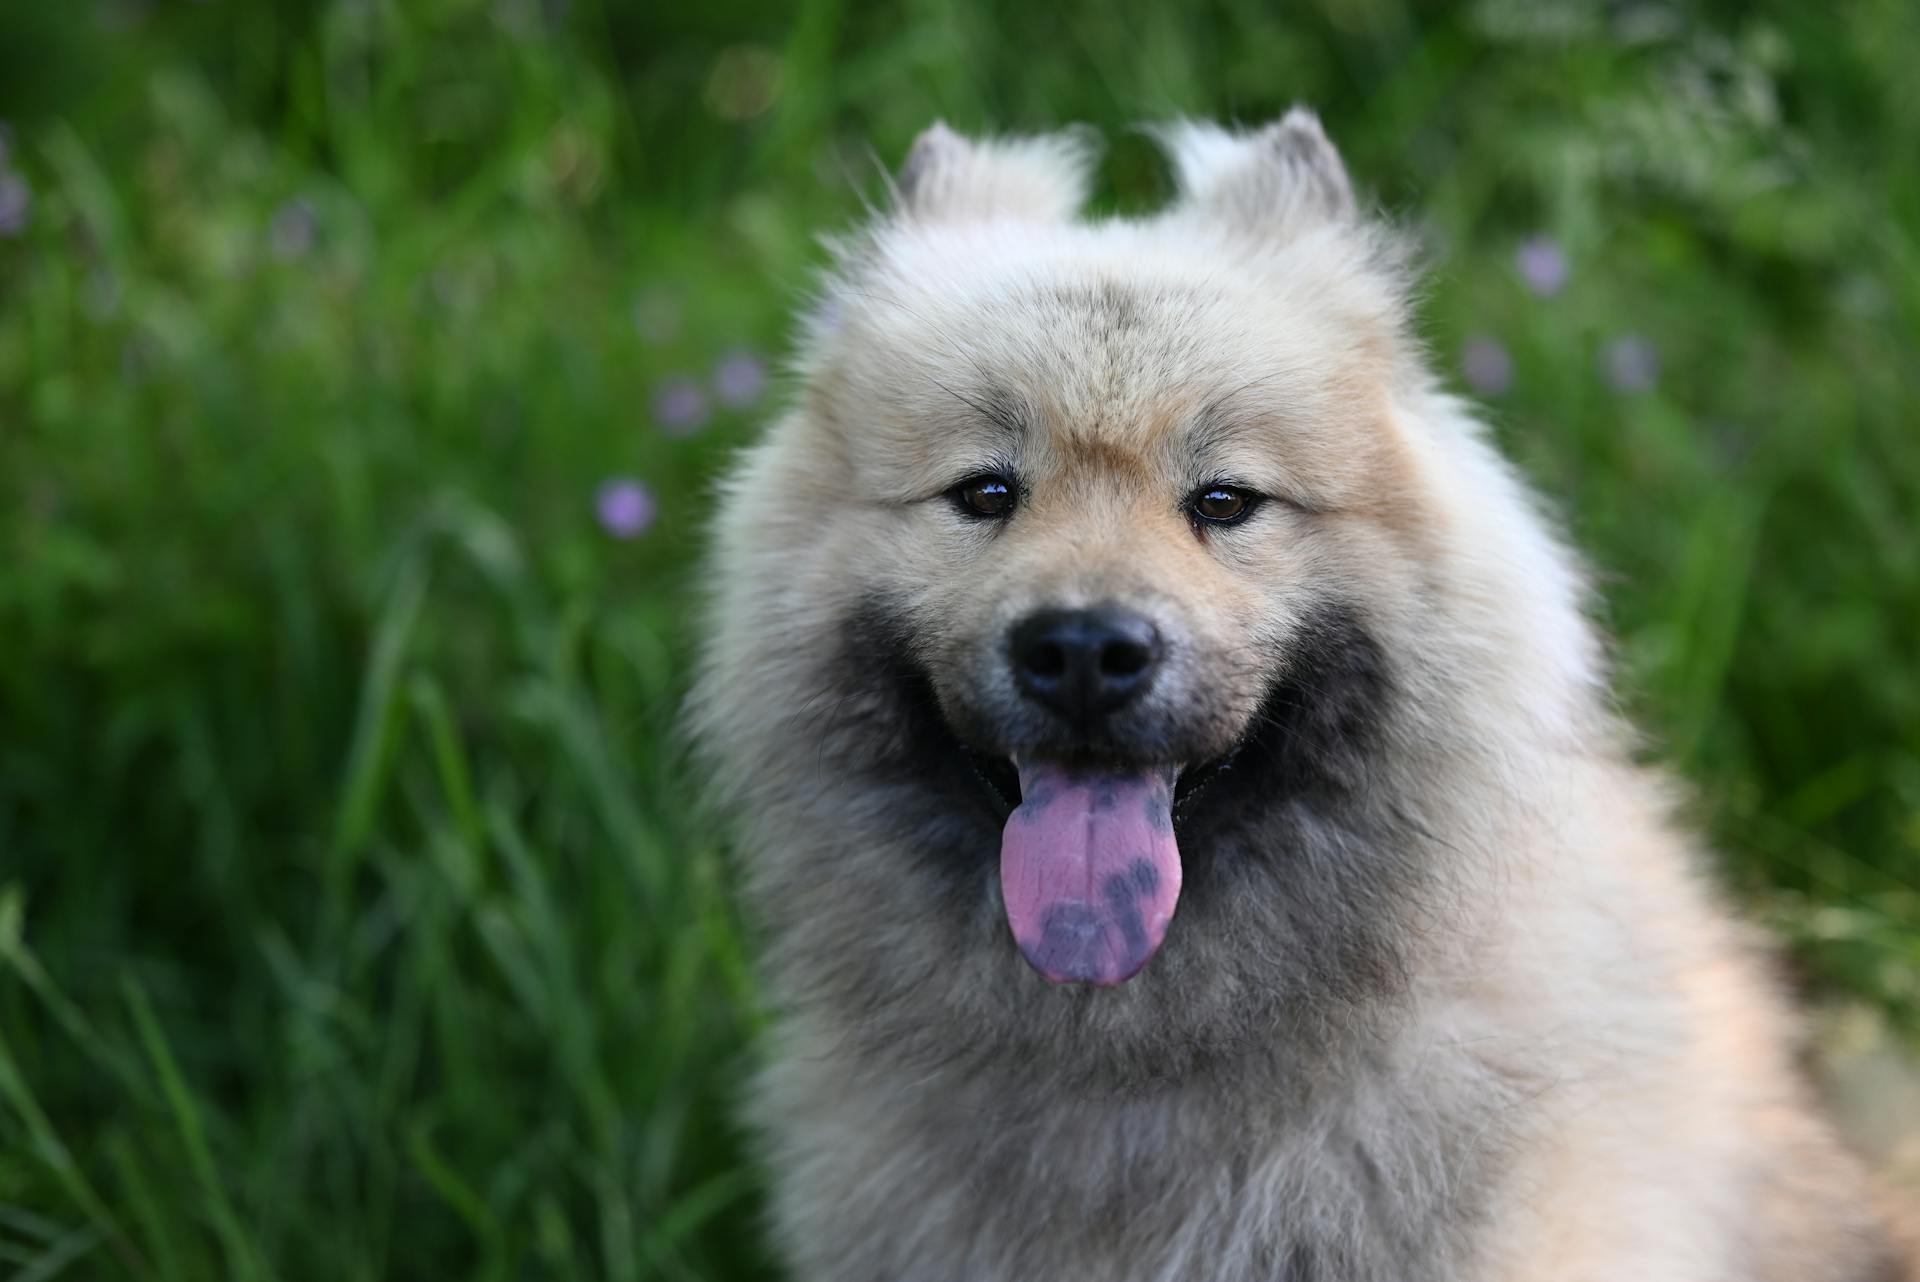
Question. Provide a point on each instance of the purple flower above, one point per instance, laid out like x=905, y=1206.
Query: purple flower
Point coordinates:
x=656, y=314
x=101, y=293
x=16, y=203
x=739, y=379
x=137, y=357
x=1542, y=264
x=1630, y=364
x=1487, y=365
x=291, y=232
x=1733, y=445
x=625, y=507
x=680, y=406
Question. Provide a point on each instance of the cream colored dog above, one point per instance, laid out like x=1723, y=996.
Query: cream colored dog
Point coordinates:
x=1179, y=793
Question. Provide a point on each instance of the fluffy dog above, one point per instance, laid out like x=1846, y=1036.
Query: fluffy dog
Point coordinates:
x=1178, y=789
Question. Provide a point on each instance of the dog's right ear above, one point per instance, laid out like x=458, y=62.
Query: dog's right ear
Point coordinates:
x=1043, y=178
x=1277, y=181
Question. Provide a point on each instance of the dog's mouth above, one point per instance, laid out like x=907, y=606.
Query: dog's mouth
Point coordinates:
x=1090, y=869
x=1090, y=856
x=999, y=780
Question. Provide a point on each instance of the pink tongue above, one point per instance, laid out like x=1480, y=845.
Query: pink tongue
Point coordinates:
x=1089, y=870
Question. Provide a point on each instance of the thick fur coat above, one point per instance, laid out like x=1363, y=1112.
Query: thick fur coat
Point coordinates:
x=1445, y=995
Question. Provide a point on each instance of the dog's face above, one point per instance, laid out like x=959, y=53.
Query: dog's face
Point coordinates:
x=1103, y=565
x=1111, y=528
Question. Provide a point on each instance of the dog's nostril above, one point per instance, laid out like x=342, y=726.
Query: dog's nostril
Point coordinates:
x=1125, y=658
x=1046, y=660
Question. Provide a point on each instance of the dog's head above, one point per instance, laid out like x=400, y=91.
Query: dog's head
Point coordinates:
x=1099, y=559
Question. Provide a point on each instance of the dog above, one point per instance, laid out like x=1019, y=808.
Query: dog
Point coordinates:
x=1178, y=793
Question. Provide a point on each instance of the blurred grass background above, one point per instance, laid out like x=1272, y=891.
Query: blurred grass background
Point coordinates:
x=364, y=367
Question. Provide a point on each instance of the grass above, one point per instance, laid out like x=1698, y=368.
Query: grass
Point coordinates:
x=354, y=922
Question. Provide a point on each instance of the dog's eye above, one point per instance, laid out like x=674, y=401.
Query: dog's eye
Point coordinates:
x=1223, y=504
x=984, y=496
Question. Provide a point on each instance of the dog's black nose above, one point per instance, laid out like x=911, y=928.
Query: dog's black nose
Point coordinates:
x=1084, y=663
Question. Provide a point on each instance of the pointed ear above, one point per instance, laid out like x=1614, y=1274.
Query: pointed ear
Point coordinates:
x=948, y=178
x=1277, y=181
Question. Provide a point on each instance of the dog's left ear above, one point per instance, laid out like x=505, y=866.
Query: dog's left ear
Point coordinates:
x=1279, y=181
x=1041, y=177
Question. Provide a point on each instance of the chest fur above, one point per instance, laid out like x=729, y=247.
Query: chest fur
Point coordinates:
x=1360, y=1178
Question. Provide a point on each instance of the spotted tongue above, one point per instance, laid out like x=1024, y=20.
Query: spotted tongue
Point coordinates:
x=1089, y=870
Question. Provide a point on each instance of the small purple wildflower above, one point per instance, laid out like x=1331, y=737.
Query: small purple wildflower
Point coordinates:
x=101, y=293
x=443, y=284
x=16, y=203
x=1631, y=363
x=1732, y=445
x=680, y=406
x=1487, y=365
x=138, y=355
x=739, y=379
x=625, y=507
x=291, y=232
x=656, y=314
x=1542, y=265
